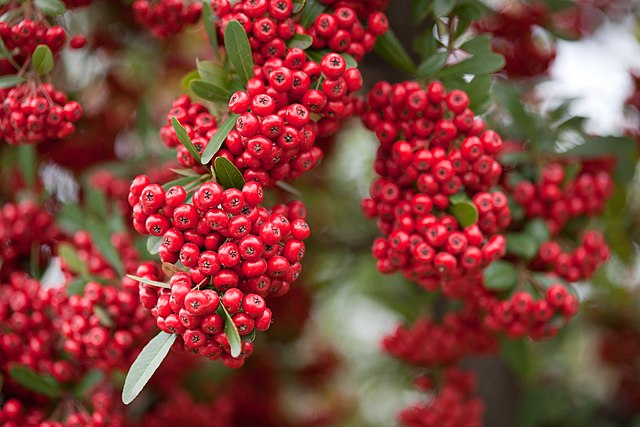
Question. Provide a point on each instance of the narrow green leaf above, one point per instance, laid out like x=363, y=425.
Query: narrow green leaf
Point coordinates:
x=184, y=172
x=465, y=212
x=537, y=230
x=76, y=286
x=68, y=253
x=210, y=28
x=443, y=7
x=50, y=7
x=183, y=136
x=27, y=160
x=10, y=81
x=430, y=66
x=91, y=379
x=96, y=202
x=301, y=41
x=211, y=72
x=239, y=50
x=149, y=282
x=218, y=139
x=298, y=5
x=145, y=365
x=209, y=91
x=185, y=180
x=500, y=276
x=185, y=82
x=312, y=9
x=102, y=315
x=102, y=239
x=476, y=65
x=391, y=50
x=231, y=331
x=153, y=244
x=228, y=174
x=42, y=60
x=42, y=384
x=288, y=188
x=521, y=245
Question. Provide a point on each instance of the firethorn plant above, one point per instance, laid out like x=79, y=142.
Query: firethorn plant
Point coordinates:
x=490, y=213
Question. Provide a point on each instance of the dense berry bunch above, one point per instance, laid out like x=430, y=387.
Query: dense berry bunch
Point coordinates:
x=558, y=198
x=363, y=8
x=578, y=264
x=23, y=227
x=453, y=406
x=30, y=115
x=514, y=36
x=341, y=31
x=431, y=142
x=236, y=253
x=429, y=344
x=166, y=17
x=24, y=36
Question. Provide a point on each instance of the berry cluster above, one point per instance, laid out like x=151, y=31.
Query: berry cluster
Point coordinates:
x=579, y=264
x=431, y=142
x=166, y=17
x=453, y=405
x=24, y=36
x=514, y=35
x=24, y=226
x=236, y=252
x=429, y=344
x=557, y=198
x=30, y=115
x=341, y=31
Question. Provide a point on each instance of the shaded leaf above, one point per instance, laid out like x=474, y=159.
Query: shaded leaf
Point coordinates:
x=465, y=212
x=298, y=6
x=153, y=244
x=183, y=136
x=27, y=160
x=391, y=50
x=218, y=139
x=228, y=174
x=443, y=7
x=68, y=253
x=102, y=315
x=500, y=276
x=301, y=41
x=10, y=81
x=210, y=28
x=209, y=91
x=312, y=9
x=149, y=282
x=50, y=7
x=145, y=365
x=239, y=50
x=537, y=230
x=231, y=331
x=521, y=245
x=42, y=60
x=91, y=379
x=434, y=63
x=102, y=239
x=42, y=384
x=76, y=286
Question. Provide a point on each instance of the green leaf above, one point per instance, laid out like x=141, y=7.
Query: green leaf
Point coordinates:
x=185, y=82
x=185, y=180
x=184, y=172
x=211, y=72
x=12, y=80
x=68, y=253
x=465, y=212
x=228, y=174
x=537, y=230
x=349, y=60
x=512, y=104
x=145, y=365
x=430, y=66
x=102, y=239
x=239, y=50
x=312, y=9
x=96, y=202
x=149, y=282
x=102, y=315
x=50, y=7
x=42, y=384
x=301, y=41
x=153, y=244
x=476, y=65
x=76, y=286
x=210, y=28
x=500, y=276
x=443, y=7
x=298, y=5
x=91, y=379
x=209, y=91
x=521, y=245
x=183, y=136
x=42, y=60
x=249, y=337
x=27, y=160
x=231, y=331
x=218, y=139
x=391, y=50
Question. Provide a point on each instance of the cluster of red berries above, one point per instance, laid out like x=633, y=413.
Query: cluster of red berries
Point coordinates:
x=30, y=115
x=23, y=226
x=557, y=199
x=341, y=31
x=579, y=264
x=166, y=17
x=429, y=344
x=230, y=245
x=363, y=8
x=24, y=36
x=106, y=412
x=453, y=406
x=522, y=315
x=431, y=142
x=514, y=35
